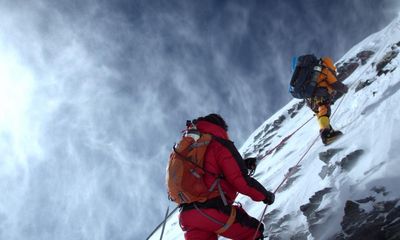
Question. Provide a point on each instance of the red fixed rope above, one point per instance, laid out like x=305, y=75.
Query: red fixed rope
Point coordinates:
x=284, y=180
x=283, y=141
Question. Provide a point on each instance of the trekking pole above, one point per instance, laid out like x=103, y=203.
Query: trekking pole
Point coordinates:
x=165, y=222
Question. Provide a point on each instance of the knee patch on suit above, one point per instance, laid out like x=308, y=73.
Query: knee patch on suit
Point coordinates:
x=323, y=111
x=323, y=122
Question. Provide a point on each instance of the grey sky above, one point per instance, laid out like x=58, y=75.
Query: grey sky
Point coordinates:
x=98, y=92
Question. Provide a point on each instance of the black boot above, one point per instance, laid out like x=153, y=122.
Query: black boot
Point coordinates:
x=328, y=135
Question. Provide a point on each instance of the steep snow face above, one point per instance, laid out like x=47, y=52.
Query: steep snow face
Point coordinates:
x=349, y=189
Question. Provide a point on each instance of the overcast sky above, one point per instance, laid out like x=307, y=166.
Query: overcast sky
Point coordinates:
x=93, y=94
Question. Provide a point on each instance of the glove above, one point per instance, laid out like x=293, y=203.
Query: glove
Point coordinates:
x=251, y=165
x=269, y=198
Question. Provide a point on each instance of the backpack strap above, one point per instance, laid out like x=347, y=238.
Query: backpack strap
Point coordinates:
x=221, y=192
x=322, y=66
x=321, y=63
x=217, y=182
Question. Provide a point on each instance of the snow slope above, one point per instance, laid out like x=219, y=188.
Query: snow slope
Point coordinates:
x=351, y=188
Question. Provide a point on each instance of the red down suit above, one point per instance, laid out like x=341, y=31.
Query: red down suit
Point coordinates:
x=203, y=221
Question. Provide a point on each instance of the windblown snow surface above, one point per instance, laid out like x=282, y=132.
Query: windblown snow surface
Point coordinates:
x=351, y=188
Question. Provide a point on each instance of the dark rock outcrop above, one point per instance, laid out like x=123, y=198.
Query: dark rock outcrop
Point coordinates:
x=325, y=157
x=363, y=84
x=276, y=124
x=315, y=200
x=274, y=225
x=295, y=108
x=346, y=70
x=327, y=170
x=279, y=227
x=328, y=154
x=364, y=56
x=348, y=162
x=385, y=61
x=280, y=222
x=262, y=143
x=262, y=139
x=269, y=217
x=262, y=133
x=313, y=214
x=382, y=222
x=292, y=178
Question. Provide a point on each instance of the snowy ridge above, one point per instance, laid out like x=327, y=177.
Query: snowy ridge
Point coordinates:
x=349, y=189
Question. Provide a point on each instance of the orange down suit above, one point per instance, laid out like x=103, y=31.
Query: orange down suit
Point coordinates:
x=328, y=90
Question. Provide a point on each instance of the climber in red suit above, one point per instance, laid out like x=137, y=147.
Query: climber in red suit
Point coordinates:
x=207, y=220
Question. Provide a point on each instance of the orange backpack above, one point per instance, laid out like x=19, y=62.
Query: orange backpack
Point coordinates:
x=185, y=170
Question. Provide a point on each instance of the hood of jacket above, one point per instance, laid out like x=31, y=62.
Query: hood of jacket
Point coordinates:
x=207, y=127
